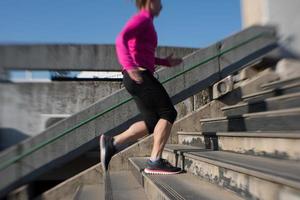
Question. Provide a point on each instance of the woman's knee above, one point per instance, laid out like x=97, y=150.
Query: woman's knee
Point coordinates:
x=170, y=115
x=151, y=123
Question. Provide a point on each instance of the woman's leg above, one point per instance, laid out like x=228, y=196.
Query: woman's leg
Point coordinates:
x=108, y=145
x=161, y=134
x=134, y=132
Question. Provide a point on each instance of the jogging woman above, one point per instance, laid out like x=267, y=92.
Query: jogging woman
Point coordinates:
x=136, y=45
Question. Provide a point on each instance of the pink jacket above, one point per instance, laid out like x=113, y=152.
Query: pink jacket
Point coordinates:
x=137, y=42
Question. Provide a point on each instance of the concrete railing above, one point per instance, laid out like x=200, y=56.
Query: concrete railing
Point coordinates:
x=69, y=57
x=113, y=122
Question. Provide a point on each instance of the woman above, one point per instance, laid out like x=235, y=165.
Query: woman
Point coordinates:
x=136, y=46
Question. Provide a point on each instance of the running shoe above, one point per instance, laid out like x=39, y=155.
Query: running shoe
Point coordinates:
x=162, y=166
x=107, y=150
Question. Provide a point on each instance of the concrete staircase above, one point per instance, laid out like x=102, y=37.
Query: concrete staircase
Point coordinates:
x=237, y=163
x=250, y=153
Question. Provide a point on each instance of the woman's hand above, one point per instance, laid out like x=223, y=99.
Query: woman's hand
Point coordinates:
x=173, y=61
x=135, y=75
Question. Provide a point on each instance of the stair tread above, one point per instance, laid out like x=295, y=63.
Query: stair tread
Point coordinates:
x=269, y=134
x=274, y=83
x=285, y=172
x=286, y=96
x=235, y=106
x=124, y=187
x=271, y=90
x=184, y=186
x=92, y=192
x=181, y=148
x=258, y=93
x=282, y=112
x=189, y=133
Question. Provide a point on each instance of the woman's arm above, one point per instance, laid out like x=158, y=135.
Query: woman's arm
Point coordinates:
x=131, y=31
x=168, y=61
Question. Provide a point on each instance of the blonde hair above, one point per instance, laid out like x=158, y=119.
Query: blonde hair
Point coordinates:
x=140, y=3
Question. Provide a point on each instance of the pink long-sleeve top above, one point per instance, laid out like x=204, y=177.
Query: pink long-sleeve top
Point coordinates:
x=136, y=43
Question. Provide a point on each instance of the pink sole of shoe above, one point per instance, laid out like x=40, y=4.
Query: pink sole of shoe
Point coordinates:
x=159, y=172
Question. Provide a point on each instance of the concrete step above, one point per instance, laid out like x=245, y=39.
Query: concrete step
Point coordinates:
x=181, y=186
x=259, y=96
x=280, y=83
x=279, y=120
x=273, y=103
x=177, y=150
x=280, y=145
x=123, y=187
x=94, y=175
x=198, y=139
x=91, y=192
x=251, y=177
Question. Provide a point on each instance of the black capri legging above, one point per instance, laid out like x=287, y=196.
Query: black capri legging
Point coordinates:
x=151, y=99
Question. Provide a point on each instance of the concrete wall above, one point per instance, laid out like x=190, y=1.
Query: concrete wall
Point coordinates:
x=283, y=14
x=70, y=57
x=26, y=107
x=253, y=12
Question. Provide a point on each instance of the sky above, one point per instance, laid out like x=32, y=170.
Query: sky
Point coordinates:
x=184, y=23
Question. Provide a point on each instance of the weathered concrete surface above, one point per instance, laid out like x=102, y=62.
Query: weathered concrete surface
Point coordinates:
x=91, y=192
x=283, y=120
x=25, y=106
x=248, y=176
x=253, y=12
x=253, y=85
x=241, y=180
x=91, y=176
x=22, y=193
x=191, y=123
x=283, y=14
x=231, y=61
x=86, y=136
x=288, y=68
x=70, y=57
x=193, y=103
x=180, y=186
x=283, y=89
x=273, y=103
x=124, y=187
x=280, y=146
x=191, y=138
x=248, y=73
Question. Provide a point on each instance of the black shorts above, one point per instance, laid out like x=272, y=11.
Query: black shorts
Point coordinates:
x=151, y=99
